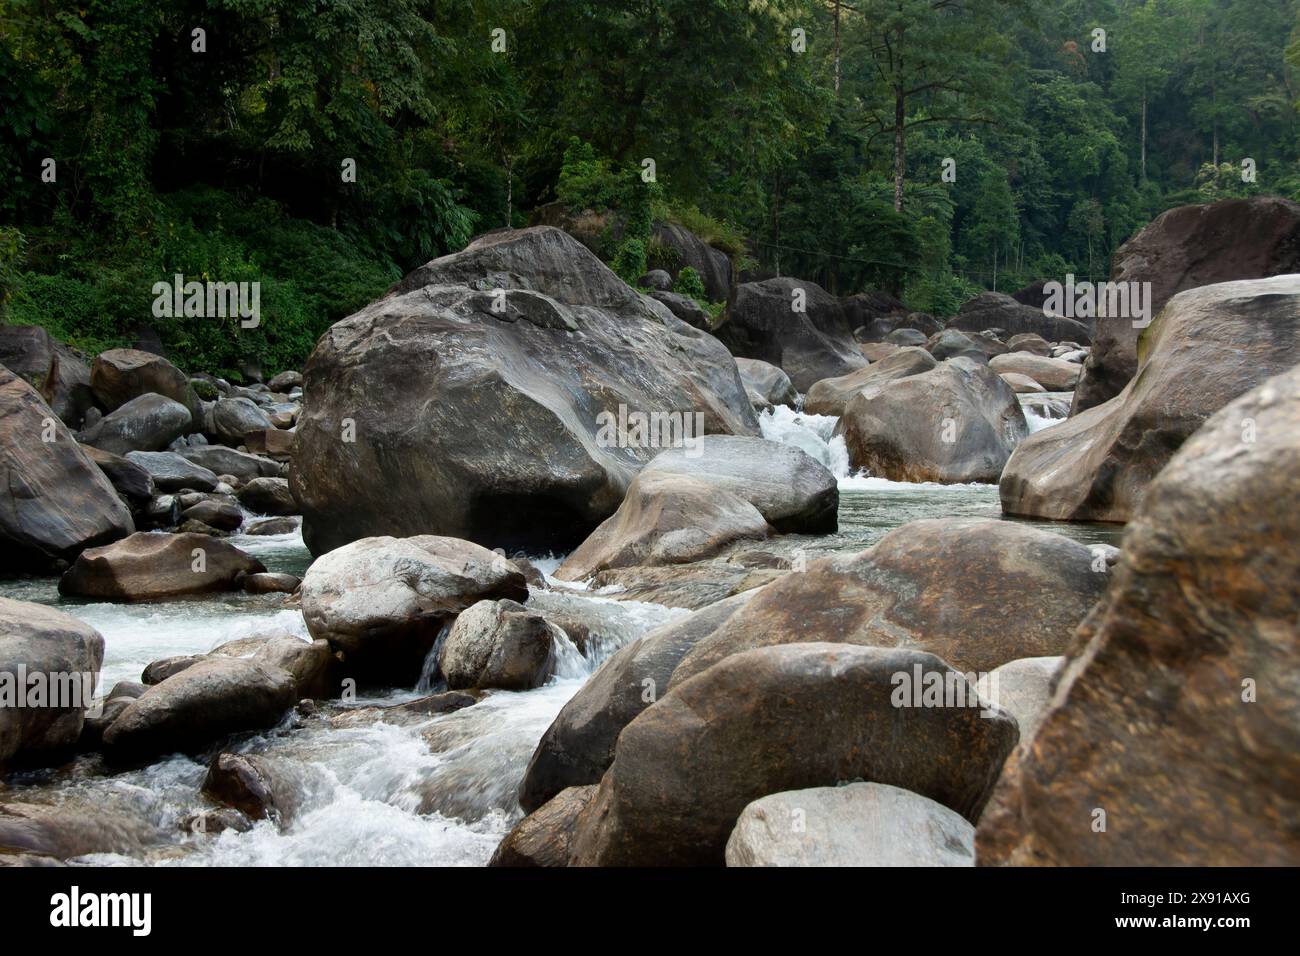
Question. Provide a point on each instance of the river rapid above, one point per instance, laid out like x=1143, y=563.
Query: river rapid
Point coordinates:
x=403, y=790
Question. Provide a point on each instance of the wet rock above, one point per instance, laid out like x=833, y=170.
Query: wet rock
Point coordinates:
x=766, y=384
x=1097, y=465
x=542, y=838
x=412, y=712
x=259, y=787
x=830, y=396
x=228, y=461
x=215, y=514
x=489, y=425
x=1182, y=249
x=59, y=375
x=120, y=375
x=269, y=583
x=68, y=830
x=809, y=345
x=977, y=593
x=958, y=422
x=862, y=824
x=215, y=822
x=267, y=526
x=995, y=310
x=172, y=472
x=200, y=705
x=1053, y=374
x=666, y=518
x=1178, y=713
x=578, y=747
x=158, y=671
x=268, y=496
x=147, y=423
x=49, y=666
x=777, y=719
x=233, y=418
x=498, y=644
x=151, y=566
x=285, y=381
x=690, y=586
x=56, y=501
x=313, y=665
x=131, y=480
x=383, y=601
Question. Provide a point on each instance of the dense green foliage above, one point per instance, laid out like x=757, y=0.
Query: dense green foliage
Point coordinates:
x=805, y=137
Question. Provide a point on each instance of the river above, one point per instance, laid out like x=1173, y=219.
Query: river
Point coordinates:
x=426, y=791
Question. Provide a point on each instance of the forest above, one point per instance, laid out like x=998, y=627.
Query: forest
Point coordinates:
x=928, y=148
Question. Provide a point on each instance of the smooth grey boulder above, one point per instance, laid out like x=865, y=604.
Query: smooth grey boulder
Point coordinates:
x=1023, y=688
x=861, y=824
x=119, y=375
x=146, y=423
x=1184, y=248
x=578, y=747
x=795, y=325
x=198, y=706
x=784, y=718
x=996, y=310
x=976, y=592
x=383, y=601
x=831, y=395
x=49, y=667
x=233, y=418
x=267, y=496
x=498, y=644
x=131, y=480
x=1055, y=375
x=172, y=472
x=56, y=502
x=1178, y=711
x=766, y=384
x=476, y=399
x=958, y=422
x=156, y=566
x=228, y=461
x=1207, y=347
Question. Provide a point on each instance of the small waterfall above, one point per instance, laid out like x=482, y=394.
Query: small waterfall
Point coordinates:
x=812, y=434
x=430, y=677
x=1044, y=409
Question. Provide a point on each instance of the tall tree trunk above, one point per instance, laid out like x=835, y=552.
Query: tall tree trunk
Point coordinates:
x=837, y=47
x=1144, y=132
x=899, y=116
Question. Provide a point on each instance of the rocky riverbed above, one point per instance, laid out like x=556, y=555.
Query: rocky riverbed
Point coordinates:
x=525, y=568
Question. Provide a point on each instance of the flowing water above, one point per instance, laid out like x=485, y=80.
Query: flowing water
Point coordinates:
x=397, y=790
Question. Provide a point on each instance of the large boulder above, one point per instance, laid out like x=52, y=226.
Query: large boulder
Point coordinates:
x=785, y=718
x=58, y=373
x=498, y=644
x=543, y=838
x=1206, y=347
x=131, y=480
x=831, y=395
x=976, y=592
x=767, y=385
x=268, y=496
x=233, y=418
x=954, y=343
x=861, y=824
x=119, y=375
x=480, y=398
x=793, y=492
x=145, y=423
x=666, y=518
x=1179, y=715
x=56, y=501
x=688, y=249
x=49, y=666
x=958, y=422
x=200, y=705
x=383, y=601
x=1182, y=249
x=1055, y=375
x=227, y=461
x=996, y=310
x=157, y=566
x=578, y=747
x=795, y=325
x=173, y=472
